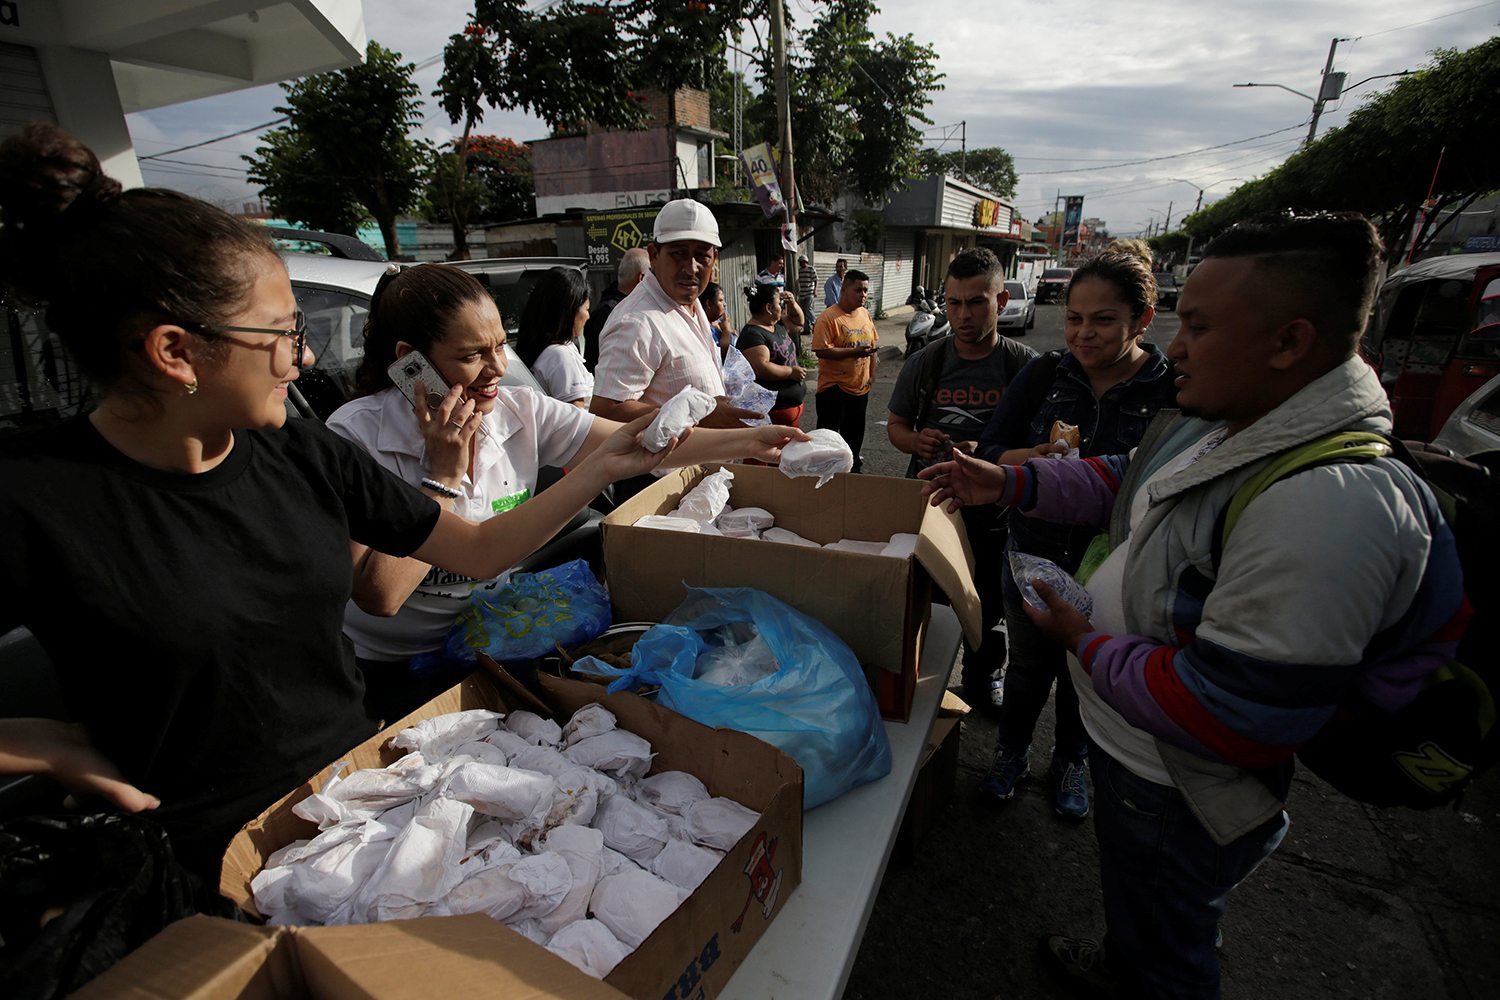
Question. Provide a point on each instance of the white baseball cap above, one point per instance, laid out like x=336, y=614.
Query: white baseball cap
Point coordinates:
x=686, y=219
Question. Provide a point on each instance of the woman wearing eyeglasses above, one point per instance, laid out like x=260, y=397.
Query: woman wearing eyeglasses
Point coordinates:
x=183, y=551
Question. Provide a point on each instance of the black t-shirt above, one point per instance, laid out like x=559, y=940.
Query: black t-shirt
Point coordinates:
x=967, y=391
x=195, y=620
x=789, y=391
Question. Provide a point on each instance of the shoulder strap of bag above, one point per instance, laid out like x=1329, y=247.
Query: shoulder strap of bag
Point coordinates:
x=1344, y=446
x=932, y=372
x=1042, y=378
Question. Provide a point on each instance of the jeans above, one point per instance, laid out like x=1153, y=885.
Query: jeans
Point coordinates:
x=1035, y=663
x=1165, y=882
x=987, y=531
x=845, y=413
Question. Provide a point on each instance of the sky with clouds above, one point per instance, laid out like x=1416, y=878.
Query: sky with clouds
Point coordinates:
x=1072, y=91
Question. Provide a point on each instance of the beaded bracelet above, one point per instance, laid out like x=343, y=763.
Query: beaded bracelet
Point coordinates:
x=441, y=488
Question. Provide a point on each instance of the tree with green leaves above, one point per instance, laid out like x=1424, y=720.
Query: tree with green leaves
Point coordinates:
x=990, y=168
x=496, y=185
x=1384, y=160
x=345, y=154
x=856, y=102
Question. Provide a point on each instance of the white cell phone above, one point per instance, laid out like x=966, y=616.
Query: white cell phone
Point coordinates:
x=407, y=370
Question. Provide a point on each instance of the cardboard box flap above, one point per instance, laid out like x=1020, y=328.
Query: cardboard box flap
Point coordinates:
x=203, y=958
x=943, y=550
x=474, y=957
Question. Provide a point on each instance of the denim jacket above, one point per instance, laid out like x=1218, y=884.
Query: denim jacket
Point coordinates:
x=1109, y=426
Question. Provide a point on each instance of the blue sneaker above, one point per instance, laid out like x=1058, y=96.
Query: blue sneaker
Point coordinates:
x=1008, y=768
x=1069, y=789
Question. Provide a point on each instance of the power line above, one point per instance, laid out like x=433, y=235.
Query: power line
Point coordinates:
x=1402, y=27
x=205, y=142
x=1170, y=156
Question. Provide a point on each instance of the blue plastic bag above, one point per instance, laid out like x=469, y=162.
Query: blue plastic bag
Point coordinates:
x=817, y=706
x=529, y=616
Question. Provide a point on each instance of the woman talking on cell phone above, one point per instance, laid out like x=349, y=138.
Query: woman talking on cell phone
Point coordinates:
x=478, y=454
x=182, y=552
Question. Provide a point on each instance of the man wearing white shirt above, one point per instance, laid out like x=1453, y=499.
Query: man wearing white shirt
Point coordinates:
x=658, y=340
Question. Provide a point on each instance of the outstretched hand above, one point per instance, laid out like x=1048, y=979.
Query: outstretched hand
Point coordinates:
x=768, y=440
x=725, y=415
x=964, y=482
x=1061, y=622
x=622, y=455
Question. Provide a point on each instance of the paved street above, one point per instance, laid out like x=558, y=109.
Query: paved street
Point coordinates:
x=1358, y=902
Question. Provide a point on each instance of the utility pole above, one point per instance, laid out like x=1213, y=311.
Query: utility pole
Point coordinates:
x=1166, y=227
x=784, y=134
x=1323, y=91
x=963, y=150
x=1057, y=221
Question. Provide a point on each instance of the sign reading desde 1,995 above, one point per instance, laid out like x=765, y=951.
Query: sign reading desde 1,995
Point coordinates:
x=609, y=234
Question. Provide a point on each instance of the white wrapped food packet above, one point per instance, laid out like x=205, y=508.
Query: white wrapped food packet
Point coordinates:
x=438, y=737
x=856, y=545
x=668, y=523
x=670, y=791
x=422, y=866
x=745, y=522
x=901, y=546
x=633, y=903
x=527, y=888
x=718, y=822
x=631, y=828
x=616, y=752
x=506, y=793
x=534, y=729
x=1026, y=568
x=825, y=455
x=581, y=847
x=508, y=742
x=590, y=946
x=590, y=720
x=676, y=415
x=484, y=752
x=685, y=865
x=787, y=537
x=708, y=498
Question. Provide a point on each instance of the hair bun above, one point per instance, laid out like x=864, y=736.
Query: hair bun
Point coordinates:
x=46, y=173
x=1132, y=248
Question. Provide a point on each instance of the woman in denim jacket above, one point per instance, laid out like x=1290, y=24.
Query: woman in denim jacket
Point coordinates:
x=1109, y=384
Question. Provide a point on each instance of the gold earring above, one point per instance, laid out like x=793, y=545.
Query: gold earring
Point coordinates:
x=191, y=387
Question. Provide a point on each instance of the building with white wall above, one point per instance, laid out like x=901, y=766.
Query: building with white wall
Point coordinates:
x=85, y=64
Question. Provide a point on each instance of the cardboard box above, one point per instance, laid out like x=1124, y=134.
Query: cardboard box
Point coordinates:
x=935, y=780
x=474, y=957
x=878, y=605
x=694, y=951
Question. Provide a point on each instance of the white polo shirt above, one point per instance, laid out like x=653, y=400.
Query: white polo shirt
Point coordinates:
x=652, y=348
x=524, y=432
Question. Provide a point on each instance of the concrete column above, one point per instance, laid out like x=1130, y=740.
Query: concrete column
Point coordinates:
x=81, y=84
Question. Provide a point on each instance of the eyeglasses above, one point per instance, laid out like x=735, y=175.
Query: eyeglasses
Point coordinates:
x=298, y=333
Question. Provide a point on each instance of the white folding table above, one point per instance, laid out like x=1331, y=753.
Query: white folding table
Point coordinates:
x=809, y=949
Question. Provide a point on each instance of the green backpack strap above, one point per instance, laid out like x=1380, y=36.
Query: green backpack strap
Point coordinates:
x=1344, y=446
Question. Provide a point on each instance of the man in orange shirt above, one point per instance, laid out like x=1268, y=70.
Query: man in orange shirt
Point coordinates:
x=844, y=341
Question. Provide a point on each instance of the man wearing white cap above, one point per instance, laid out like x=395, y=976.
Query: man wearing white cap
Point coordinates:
x=658, y=340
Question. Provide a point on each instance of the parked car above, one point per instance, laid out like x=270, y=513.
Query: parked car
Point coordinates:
x=1474, y=425
x=1053, y=282
x=1167, y=290
x=1019, y=314
x=1435, y=337
x=334, y=292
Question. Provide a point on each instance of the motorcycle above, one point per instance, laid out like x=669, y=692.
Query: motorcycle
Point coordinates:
x=928, y=321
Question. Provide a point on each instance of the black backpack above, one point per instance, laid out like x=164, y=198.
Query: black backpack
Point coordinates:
x=1425, y=754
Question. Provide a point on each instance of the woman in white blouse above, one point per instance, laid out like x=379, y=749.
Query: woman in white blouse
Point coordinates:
x=548, y=341
x=477, y=454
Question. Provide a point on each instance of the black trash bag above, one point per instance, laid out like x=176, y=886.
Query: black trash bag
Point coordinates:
x=80, y=892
